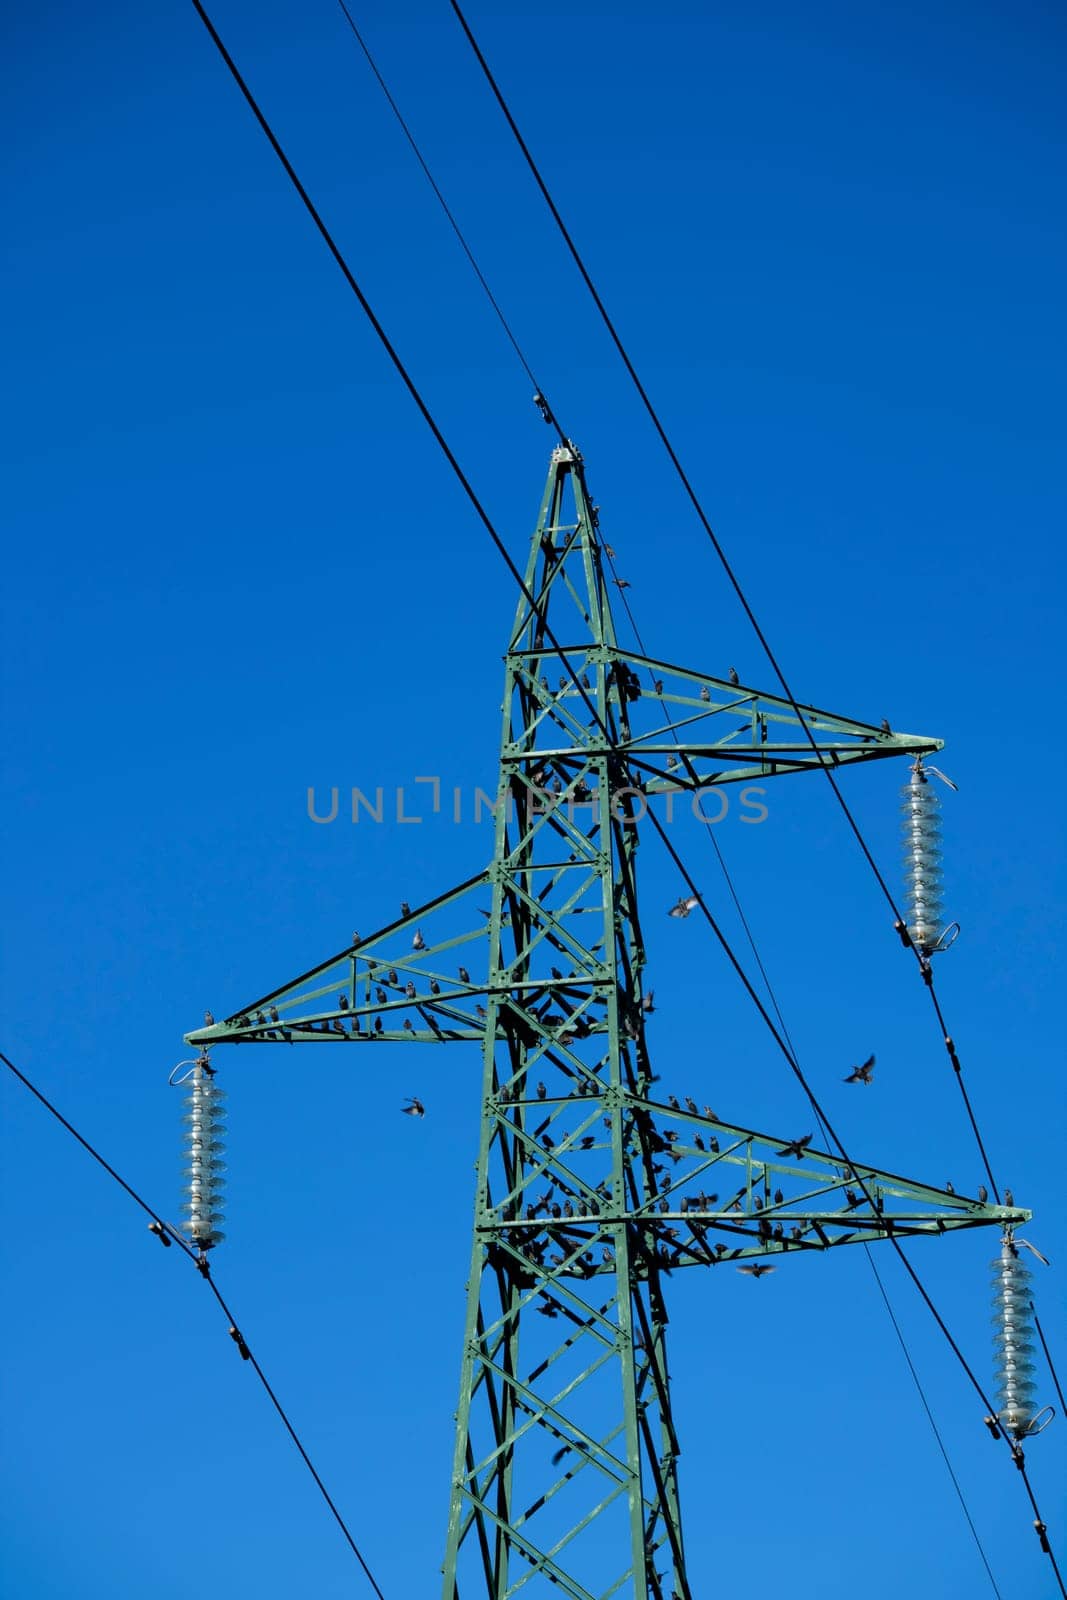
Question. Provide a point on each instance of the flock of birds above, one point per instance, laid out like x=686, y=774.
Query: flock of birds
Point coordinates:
x=862, y=1073
x=664, y=1143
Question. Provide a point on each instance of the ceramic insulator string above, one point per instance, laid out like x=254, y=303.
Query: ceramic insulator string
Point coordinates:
x=921, y=827
x=205, y=1122
x=1013, y=1341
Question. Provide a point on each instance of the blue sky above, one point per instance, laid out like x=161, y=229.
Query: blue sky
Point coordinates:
x=238, y=566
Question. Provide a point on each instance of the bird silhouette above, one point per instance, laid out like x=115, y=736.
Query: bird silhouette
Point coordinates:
x=621, y=583
x=273, y=1013
x=418, y=942
x=732, y=675
x=342, y=1005
x=435, y=987
x=464, y=975
x=405, y=909
x=414, y=1108
x=380, y=995
x=757, y=1269
x=983, y=1193
x=796, y=1147
x=209, y=1020
x=1009, y=1198
x=684, y=906
x=648, y=1002
x=885, y=725
x=862, y=1073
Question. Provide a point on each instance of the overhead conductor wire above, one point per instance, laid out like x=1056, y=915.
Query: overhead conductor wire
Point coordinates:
x=542, y=398
x=899, y=920
x=170, y=1235
x=484, y=518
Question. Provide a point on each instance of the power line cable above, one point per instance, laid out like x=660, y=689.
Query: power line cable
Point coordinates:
x=709, y=828
x=169, y=1234
x=157, y=1222
x=899, y=921
x=861, y=1183
x=483, y=516
x=391, y=352
x=549, y=413
x=930, y=1418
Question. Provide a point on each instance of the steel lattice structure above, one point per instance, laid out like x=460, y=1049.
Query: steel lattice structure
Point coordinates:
x=592, y=1189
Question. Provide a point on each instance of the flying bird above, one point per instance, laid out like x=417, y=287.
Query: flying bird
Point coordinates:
x=648, y=1003
x=414, y=1108
x=684, y=906
x=796, y=1147
x=863, y=1073
x=621, y=583
x=757, y=1269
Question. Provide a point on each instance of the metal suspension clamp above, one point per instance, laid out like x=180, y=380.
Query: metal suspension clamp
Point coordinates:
x=243, y=1350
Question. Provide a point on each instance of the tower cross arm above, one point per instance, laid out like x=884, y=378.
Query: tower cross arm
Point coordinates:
x=679, y=722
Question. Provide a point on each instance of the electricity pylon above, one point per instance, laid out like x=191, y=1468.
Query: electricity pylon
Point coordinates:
x=592, y=1188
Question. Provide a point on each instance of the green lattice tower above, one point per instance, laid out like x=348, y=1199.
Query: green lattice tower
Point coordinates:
x=592, y=1187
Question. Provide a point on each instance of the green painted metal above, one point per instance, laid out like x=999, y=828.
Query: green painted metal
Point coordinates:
x=591, y=1189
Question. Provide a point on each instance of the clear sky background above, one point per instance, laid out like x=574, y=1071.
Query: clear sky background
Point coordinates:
x=238, y=566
